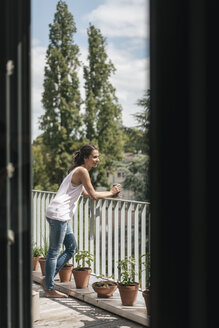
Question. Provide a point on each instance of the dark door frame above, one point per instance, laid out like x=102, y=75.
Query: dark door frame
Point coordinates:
x=184, y=163
x=15, y=165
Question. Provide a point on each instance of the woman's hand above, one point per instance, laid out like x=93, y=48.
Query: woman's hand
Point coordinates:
x=116, y=189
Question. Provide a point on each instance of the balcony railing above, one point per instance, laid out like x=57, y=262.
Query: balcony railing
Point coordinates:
x=110, y=229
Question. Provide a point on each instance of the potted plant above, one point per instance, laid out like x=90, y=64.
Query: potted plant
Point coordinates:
x=42, y=259
x=83, y=270
x=104, y=288
x=36, y=254
x=146, y=293
x=128, y=288
x=65, y=272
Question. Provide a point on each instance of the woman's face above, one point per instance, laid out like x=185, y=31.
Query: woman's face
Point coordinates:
x=93, y=159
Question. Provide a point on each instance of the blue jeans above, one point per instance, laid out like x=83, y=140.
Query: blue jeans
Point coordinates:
x=60, y=233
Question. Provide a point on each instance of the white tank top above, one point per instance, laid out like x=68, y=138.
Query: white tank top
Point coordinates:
x=63, y=206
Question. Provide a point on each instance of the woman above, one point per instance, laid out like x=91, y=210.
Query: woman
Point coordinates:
x=62, y=208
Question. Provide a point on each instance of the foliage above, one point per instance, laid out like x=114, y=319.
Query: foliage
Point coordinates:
x=132, y=140
x=61, y=121
x=103, y=276
x=103, y=113
x=137, y=138
x=41, y=179
x=143, y=120
x=85, y=257
x=105, y=283
x=126, y=268
x=136, y=177
x=45, y=248
x=145, y=260
x=36, y=251
x=137, y=174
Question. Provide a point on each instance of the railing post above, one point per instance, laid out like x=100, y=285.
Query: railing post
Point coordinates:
x=116, y=238
x=75, y=228
x=103, y=239
x=92, y=207
x=86, y=224
x=143, y=245
x=122, y=231
x=38, y=236
x=109, y=231
x=34, y=226
x=129, y=230
x=136, y=241
x=97, y=239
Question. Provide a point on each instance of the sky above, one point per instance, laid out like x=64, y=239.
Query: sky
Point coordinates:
x=124, y=24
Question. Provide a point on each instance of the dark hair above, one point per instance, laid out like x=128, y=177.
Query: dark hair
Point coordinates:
x=79, y=155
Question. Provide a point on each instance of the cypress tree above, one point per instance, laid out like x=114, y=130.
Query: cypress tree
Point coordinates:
x=61, y=121
x=103, y=113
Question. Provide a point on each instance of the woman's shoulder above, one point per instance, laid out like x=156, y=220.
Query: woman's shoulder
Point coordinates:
x=80, y=175
x=80, y=170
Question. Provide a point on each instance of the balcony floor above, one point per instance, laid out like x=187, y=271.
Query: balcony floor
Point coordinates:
x=84, y=309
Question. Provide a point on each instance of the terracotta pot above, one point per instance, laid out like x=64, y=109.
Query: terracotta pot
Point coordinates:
x=65, y=273
x=129, y=294
x=42, y=261
x=104, y=288
x=35, y=263
x=81, y=276
x=147, y=297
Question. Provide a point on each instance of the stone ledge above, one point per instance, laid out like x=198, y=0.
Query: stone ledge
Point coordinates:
x=113, y=304
x=35, y=306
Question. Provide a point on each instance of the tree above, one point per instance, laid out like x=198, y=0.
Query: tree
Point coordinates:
x=143, y=120
x=133, y=140
x=40, y=174
x=136, y=177
x=61, y=122
x=103, y=113
x=137, y=173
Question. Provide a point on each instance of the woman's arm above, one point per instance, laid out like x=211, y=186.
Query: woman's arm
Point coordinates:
x=100, y=194
x=89, y=189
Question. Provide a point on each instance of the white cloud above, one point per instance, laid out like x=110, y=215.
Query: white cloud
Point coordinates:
x=122, y=18
x=37, y=74
x=130, y=80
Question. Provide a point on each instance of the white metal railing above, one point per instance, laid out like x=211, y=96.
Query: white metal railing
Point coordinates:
x=109, y=228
